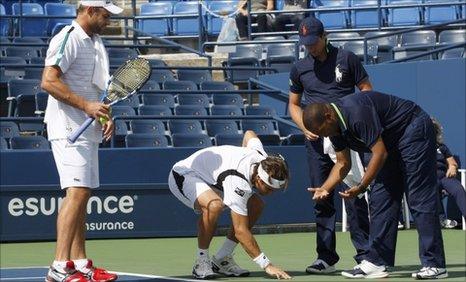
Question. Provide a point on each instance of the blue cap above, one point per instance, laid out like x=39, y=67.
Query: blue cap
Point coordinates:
x=310, y=30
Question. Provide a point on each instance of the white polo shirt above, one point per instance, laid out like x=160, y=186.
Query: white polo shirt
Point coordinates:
x=75, y=53
x=227, y=168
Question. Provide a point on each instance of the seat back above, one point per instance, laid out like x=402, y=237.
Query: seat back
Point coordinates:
x=8, y=129
x=146, y=140
x=29, y=142
x=194, y=99
x=228, y=99
x=184, y=126
x=179, y=85
x=18, y=87
x=214, y=127
x=247, y=51
x=154, y=110
x=147, y=126
x=186, y=26
x=229, y=139
x=191, y=140
x=259, y=126
x=33, y=73
x=160, y=76
x=150, y=85
x=452, y=36
x=196, y=76
x=439, y=14
x=222, y=8
x=123, y=111
x=190, y=110
x=59, y=9
x=341, y=35
x=418, y=37
x=4, y=22
x=156, y=26
x=29, y=26
x=217, y=85
x=260, y=111
x=404, y=16
x=226, y=110
x=122, y=53
x=333, y=19
x=167, y=100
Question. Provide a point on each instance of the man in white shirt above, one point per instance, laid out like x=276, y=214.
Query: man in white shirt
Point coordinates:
x=224, y=176
x=76, y=70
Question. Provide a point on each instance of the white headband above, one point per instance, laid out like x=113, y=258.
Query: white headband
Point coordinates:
x=270, y=181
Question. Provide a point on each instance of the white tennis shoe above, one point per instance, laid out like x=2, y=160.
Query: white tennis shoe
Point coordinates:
x=430, y=273
x=202, y=269
x=227, y=266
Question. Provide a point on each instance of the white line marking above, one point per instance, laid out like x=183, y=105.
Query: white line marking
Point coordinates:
x=21, y=278
x=155, y=276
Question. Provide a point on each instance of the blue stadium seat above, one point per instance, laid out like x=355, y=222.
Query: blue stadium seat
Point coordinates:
x=4, y=22
x=156, y=63
x=33, y=73
x=160, y=76
x=281, y=56
x=122, y=53
x=29, y=143
x=132, y=101
x=25, y=106
x=247, y=55
x=229, y=139
x=41, y=99
x=191, y=140
x=150, y=85
x=124, y=111
x=365, y=18
x=154, y=110
x=439, y=14
x=228, y=99
x=247, y=51
x=341, y=36
x=452, y=36
x=225, y=110
x=217, y=85
x=8, y=129
x=385, y=45
x=194, y=99
x=453, y=53
x=222, y=8
x=186, y=26
x=3, y=144
x=146, y=140
x=423, y=40
x=190, y=110
x=156, y=26
x=333, y=19
x=30, y=26
x=259, y=126
x=269, y=139
x=57, y=28
x=17, y=87
x=404, y=16
x=3, y=40
x=149, y=126
x=59, y=9
x=196, y=76
x=167, y=100
x=294, y=139
x=121, y=130
x=184, y=126
x=37, y=61
x=41, y=50
x=24, y=52
x=179, y=85
x=116, y=62
x=214, y=127
x=260, y=111
x=12, y=70
x=286, y=130
x=357, y=47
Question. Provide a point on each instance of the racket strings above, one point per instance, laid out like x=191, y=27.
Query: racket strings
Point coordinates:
x=129, y=78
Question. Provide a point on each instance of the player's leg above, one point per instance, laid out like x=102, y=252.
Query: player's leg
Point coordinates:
x=320, y=165
x=223, y=261
x=417, y=148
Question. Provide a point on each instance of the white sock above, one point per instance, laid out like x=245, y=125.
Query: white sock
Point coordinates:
x=203, y=253
x=226, y=249
x=80, y=264
x=59, y=265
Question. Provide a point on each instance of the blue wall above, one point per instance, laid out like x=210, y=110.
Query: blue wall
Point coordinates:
x=438, y=86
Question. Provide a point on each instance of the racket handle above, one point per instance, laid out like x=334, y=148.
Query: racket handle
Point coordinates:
x=75, y=135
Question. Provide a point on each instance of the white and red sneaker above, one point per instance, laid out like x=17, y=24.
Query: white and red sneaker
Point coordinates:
x=69, y=275
x=95, y=274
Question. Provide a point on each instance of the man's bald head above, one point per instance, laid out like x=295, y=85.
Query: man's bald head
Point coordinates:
x=314, y=116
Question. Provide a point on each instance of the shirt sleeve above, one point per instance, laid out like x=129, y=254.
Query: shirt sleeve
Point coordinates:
x=256, y=144
x=338, y=143
x=295, y=83
x=445, y=151
x=367, y=127
x=237, y=192
x=356, y=68
x=62, y=51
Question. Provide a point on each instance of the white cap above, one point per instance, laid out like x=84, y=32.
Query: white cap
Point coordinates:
x=107, y=4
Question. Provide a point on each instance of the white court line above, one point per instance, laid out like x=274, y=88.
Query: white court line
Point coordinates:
x=21, y=278
x=155, y=276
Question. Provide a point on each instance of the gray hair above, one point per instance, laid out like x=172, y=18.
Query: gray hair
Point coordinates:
x=438, y=129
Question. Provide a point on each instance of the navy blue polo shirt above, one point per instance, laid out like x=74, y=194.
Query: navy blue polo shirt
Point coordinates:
x=324, y=82
x=443, y=153
x=365, y=117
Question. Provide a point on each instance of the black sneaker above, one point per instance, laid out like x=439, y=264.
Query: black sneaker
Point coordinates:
x=320, y=267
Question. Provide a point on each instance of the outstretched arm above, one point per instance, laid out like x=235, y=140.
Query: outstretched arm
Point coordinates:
x=249, y=243
x=248, y=135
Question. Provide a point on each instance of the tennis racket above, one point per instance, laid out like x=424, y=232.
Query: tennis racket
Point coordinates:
x=126, y=80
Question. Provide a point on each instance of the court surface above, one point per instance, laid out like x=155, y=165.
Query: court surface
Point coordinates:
x=171, y=259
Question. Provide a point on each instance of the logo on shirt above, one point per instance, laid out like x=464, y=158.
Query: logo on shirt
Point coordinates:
x=338, y=74
x=239, y=192
x=438, y=151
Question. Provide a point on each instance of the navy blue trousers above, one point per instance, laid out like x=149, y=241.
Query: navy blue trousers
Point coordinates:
x=455, y=189
x=411, y=166
x=320, y=165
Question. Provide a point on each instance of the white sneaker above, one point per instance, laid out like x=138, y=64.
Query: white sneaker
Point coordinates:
x=366, y=269
x=227, y=266
x=202, y=269
x=320, y=267
x=400, y=225
x=430, y=273
x=448, y=223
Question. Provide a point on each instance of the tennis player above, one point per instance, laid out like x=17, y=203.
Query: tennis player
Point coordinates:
x=217, y=177
x=76, y=71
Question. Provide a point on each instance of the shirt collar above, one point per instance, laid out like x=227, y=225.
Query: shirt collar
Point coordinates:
x=341, y=119
x=82, y=34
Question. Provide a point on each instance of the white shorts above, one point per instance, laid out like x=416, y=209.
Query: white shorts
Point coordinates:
x=77, y=164
x=192, y=188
